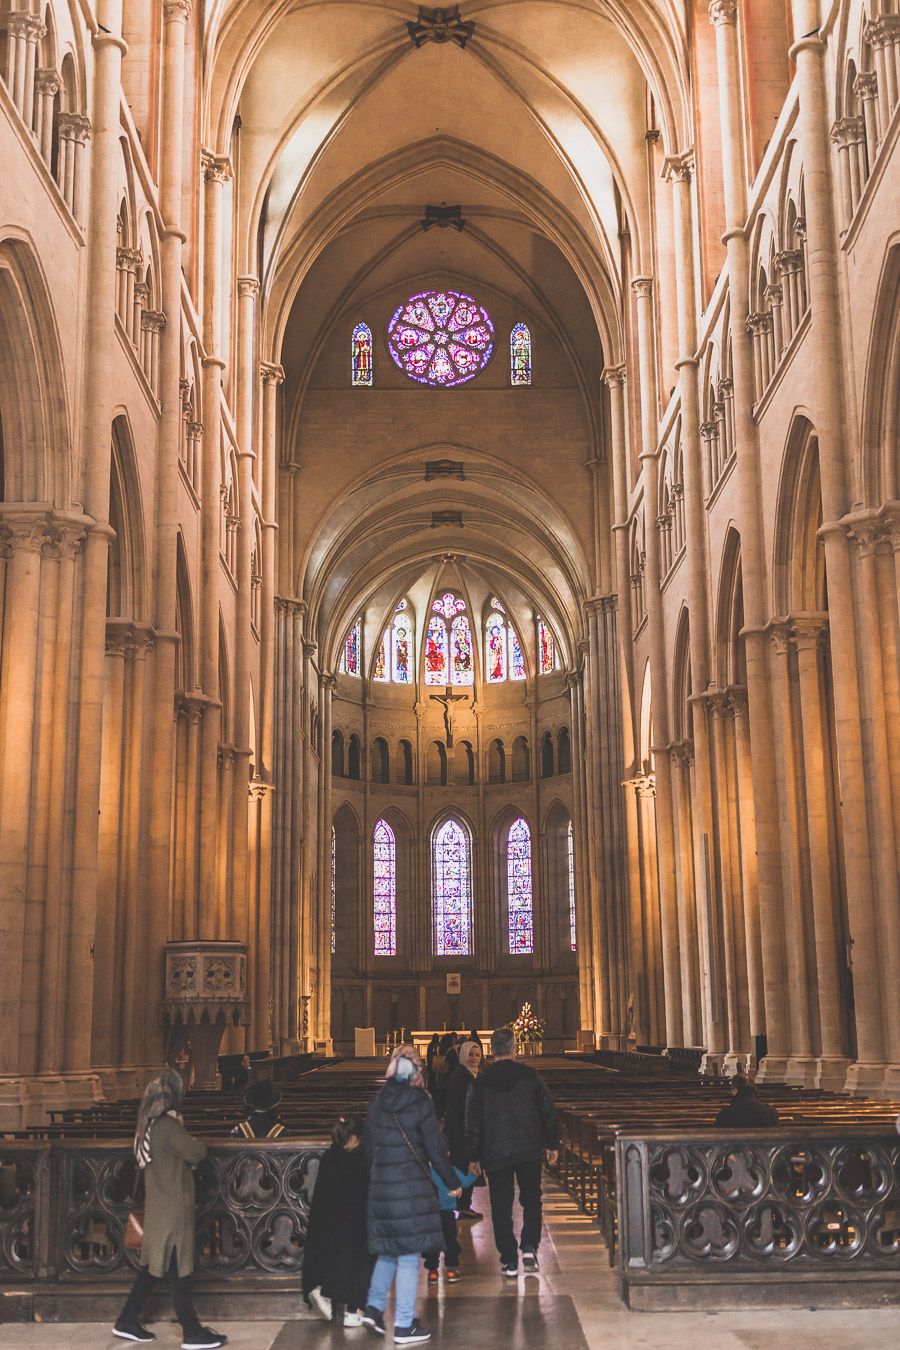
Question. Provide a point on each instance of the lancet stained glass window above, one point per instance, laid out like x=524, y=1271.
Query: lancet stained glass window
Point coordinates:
x=519, y=895
x=516, y=658
x=402, y=646
x=361, y=357
x=351, y=653
x=333, y=889
x=462, y=666
x=520, y=355
x=385, y=890
x=436, y=669
x=495, y=648
x=451, y=890
x=441, y=338
x=380, y=669
x=546, y=648
x=570, y=859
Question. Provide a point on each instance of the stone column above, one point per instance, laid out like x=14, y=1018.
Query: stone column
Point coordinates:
x=723, y=14
x=665, y=833
x=74, y=132
x=24, y=31
x=835, y=447
x=322, y=1000
x=591, y=944
x=47, y=84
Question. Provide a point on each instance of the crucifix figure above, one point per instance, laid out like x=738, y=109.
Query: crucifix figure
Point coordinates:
x=448, y=699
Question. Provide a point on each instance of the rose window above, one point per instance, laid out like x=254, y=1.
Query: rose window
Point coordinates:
x=441, y=338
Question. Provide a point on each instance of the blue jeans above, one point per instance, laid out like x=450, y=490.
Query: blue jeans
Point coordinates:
x=405, y=1269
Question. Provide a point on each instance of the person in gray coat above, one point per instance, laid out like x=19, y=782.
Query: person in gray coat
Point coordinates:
x=167, y=1155
x=403, y=1140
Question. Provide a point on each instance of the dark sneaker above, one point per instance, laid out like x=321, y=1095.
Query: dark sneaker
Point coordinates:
x=132, y=1331
x=453, y=1275
x=414, y=1334
x=204, y=1338
x=432, y=1277
x=510, y=1269
x=374, y=1320
x=469, y=1214
x=530, y=1263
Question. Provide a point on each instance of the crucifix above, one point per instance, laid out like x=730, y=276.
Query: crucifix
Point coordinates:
x=448, y=699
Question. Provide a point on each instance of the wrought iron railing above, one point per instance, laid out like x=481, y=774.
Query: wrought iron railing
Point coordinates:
x=771, y=1207
x=64, y=1207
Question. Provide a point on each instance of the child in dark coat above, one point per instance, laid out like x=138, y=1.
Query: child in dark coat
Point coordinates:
x=447, y=1204
x=336, y=1262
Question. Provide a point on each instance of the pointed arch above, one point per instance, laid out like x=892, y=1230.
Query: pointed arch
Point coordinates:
x=384, y=892
x=519, y=888
x=451, y=888
x=185, y=667
x=731, y=666
x=520, y=354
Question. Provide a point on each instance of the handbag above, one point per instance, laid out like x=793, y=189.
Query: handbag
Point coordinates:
x=409, y=1144
x=134, y=1228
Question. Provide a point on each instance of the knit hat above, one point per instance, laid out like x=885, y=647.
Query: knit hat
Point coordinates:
x=262, y=1096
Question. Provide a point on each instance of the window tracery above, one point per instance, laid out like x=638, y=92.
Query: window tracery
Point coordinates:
x=520, y=355
x=361, y=357
x=519, y=895
x=384, y=848
x=441, y=338
x=451, y=890
x=350, y=657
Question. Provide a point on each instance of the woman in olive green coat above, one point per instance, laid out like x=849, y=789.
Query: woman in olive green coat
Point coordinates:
x=167, y=1155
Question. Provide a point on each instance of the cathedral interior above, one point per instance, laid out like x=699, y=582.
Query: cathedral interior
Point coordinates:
x=449, y=531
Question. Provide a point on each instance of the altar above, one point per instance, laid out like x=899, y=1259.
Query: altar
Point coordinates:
x=422, y=1039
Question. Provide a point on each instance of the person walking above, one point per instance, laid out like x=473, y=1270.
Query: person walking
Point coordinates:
x=336, y=1262
x=459, y=1086
x=510, y=1128
x=447, y=1204
x=167, y=1155
x=403, y=1141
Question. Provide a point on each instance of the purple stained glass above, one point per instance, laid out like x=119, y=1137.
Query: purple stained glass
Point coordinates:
x=518, y=889
x=462, y=669
x=401, y=646
x=516, y=658
x=570, y=856
x=385, y=890
x=436, y=652
x=452, y=891
x=350, y=657
x=361, y=357
x=520, y=355
x=448, y=605
x=441, y=338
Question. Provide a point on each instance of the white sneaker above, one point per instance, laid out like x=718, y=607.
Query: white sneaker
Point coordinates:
x=353, y=1319
x=321, y=1304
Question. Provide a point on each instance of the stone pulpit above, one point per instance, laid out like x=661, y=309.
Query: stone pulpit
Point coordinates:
x=205, y=992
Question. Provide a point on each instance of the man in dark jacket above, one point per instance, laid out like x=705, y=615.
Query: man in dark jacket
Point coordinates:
x=510, y=1128
x=745, y=1111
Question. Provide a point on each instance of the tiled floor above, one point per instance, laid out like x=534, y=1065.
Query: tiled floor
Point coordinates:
x=572, y=1305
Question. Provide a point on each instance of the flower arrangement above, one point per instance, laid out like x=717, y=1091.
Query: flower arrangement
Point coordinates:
x=527, y=1026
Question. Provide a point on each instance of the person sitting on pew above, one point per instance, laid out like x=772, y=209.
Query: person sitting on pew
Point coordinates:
x=746, y=1111
x=263, y=1099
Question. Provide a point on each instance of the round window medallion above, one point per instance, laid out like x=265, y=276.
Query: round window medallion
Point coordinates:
x=441, y=338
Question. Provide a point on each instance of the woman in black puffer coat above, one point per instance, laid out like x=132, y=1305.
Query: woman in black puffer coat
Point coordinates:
x=403, y=1140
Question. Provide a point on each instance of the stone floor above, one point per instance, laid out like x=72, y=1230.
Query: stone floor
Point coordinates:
x=572, y=1305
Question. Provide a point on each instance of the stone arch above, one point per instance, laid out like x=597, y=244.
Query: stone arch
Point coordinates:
x=548, y=767
x=436, y=764
x=729, y=645
x=521, y=760
x=185, y=657
x=509, y=879
x=337, y=753
x=127, y=572
x=799, y=572
x=36, y=442
x=463, y=764
x=682, y=712
x=345, y=890
x=496, y=761
x=563, y=751
x=379, y=761
x=562, y=883
x=880, y=469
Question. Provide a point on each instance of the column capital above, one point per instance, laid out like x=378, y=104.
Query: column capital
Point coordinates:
x=248, y=287
x=772, y=294
x=682, y=753
x=270, y=373
x=644, y=784
x=258, y=789
x=614, y=376
x=153, y=321
x=23, y=24
x=327, y=680
x=809, y=630
x=723, y=12
x=194, y=430
x=866, y=84
x=847, y=131
x=47, y=81
x=779, y=631
x=788, y=260
x=679, y=168
x=177, y=11
x=883, y=31
x=74, y=127
x=642, y=287
x=216, y=168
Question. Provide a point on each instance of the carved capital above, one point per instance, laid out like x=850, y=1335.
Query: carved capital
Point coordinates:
x=883, y=31
x=153, y=321
x=642, y=287
x=23, y=24
x=772, y=294
x=723, y=11
x=248, y=287
x=74, y=127
x=679, y=168
x=780, y=635
x=47, y=82
x=788, y=260
x=810, y=631
x=216, y=168
x=177, y=11
x=271, y=374
x=258, y=789
x=614, y=377
x=865, y=86
x=847, y=131
x=682, y=753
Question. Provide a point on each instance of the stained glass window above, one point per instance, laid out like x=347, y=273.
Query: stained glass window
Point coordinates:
x=448, y=605
x=380, y=669
x=351, y=653
x=520, y=355
x=436, y=667
x=333, y=889
x=385, y=893
x=441, y=338
x=452, y=891
x=401, y=646
x=570, y=855
x=495, y=648
x=516, y=658
x=518, y=889
x=361, y=357
x=546, y=648
x=462, y=669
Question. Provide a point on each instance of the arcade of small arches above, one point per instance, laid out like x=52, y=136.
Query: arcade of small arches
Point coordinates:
x=294, y=574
